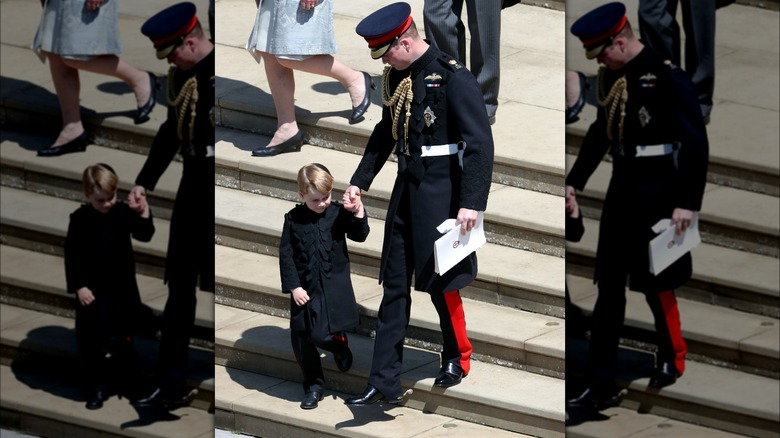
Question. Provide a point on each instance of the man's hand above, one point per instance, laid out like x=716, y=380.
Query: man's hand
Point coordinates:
x=467, y=218
x=681, y=218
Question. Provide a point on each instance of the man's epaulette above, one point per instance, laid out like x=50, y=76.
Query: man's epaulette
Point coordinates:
x=450, y=63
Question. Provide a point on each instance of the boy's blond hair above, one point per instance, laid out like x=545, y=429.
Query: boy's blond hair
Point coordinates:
x=314, y=176
x=100, y=176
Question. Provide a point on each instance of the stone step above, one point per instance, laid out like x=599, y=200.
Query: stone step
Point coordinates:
x=40, y=222
x=61, y=176
x=706, y=395
x=36, y=281
x=251, y=281
x=493, y=395
x=507, y=276
x=51, y=404
x=258, y=405
x=730, y=217
x=515, y=217
x=721, y=276
x=31, y=338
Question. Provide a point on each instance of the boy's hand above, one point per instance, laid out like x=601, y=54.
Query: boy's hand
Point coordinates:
x=85, y=296
x=300, y=296
x=136, y=199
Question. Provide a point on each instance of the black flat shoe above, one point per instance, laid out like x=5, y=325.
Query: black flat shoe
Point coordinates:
x=370, y=396
x=594, y=399
x=360, y=110
x=142, y=114
x=97, y=398
x=293, y=144
x=78, y=144
x=311, y=399
x=450, y=375
x=343, y=359
x=572, y=112
x=665, y=374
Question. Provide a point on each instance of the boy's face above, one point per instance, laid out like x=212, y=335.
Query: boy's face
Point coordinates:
x=101, y=201
x=316, y=201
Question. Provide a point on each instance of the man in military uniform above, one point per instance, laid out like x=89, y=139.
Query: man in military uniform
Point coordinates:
x=434, y=121
x=649, y=121
x=178, y=37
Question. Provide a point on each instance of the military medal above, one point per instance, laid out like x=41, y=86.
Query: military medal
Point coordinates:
x=644, y=116
x=428, y=116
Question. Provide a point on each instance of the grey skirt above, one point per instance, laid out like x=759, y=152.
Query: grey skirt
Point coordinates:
x=68, y=29
x=282, y=28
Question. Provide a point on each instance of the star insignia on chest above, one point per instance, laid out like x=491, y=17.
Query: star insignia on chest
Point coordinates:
x=644, y=116
x=429, y=116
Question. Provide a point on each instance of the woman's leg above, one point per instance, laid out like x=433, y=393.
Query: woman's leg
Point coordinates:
x=112, y=65
x=327, y=65
x=282, y=83
x=67, y=86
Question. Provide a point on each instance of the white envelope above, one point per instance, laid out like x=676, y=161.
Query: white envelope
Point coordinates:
x=451, y=248
x=667, y=247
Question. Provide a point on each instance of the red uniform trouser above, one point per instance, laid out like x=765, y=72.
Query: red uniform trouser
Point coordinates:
x=393, y=319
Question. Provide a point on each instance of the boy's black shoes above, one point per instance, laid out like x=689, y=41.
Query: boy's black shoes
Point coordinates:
x=343, y=359
x=311, y=399
x=96, y=399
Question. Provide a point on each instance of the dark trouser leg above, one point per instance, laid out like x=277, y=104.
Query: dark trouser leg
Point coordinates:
x=178, y=319
x=393, y=316
x=485, y=29
x=308, y=359
x=699, y=26
x=91, y=341
x=608, y=316
x=444, y=28
x=671, y=345
x=452, y=320
x=659, y=28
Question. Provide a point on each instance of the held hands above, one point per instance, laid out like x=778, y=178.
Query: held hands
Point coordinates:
x=85, y=296
x=136, y=199
x=352, y=201
x=468, y=219
x=681, y=218
x=300, y=296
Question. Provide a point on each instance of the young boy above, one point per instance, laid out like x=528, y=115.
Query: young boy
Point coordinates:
x=314, y=265
x=100, y=271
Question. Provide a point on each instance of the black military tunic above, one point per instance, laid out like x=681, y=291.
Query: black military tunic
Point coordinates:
x=660, y=107
x=436, y=187
x=191, y=243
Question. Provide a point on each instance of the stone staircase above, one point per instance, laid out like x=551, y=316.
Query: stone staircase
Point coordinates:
x=514, y=310
x=730, y=310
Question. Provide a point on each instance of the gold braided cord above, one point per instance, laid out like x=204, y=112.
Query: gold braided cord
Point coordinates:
x=617, y=96
x=186, y=99
x=401, y=99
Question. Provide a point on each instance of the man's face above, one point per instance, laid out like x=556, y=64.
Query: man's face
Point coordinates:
x=612, y=55
x=183, y=56
x=397, y=56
